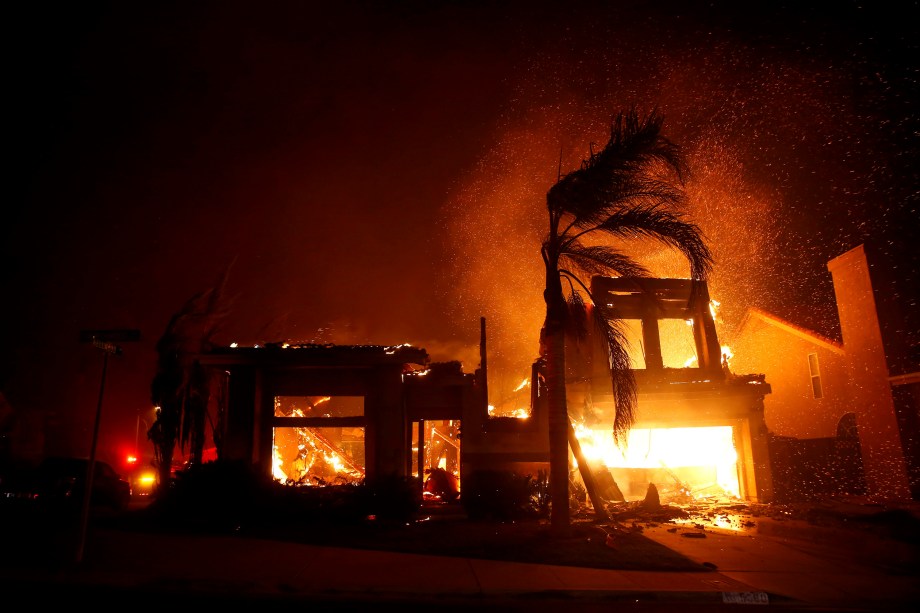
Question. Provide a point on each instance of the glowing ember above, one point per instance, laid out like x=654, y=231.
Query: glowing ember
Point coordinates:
x=518, y=413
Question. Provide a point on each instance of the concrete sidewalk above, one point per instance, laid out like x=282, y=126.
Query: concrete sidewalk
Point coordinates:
x=747, y=569
x=825, y=568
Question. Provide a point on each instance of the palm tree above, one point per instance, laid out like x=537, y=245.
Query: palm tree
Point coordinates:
x=181, y=386
x=632, y=188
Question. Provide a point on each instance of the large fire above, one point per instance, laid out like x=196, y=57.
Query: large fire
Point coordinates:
x=696, y=462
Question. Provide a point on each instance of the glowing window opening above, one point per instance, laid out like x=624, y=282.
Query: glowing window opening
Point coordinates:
x=314, y=453
x=318, y=456
x=678, y=347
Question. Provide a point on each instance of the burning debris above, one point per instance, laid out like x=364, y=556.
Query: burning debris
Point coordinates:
x=856, y=518
x=317, y=456
x=318, y=460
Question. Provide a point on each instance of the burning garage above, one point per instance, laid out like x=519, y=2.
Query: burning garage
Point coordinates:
x=700, y=429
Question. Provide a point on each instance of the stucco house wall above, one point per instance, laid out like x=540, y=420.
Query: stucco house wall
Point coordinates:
x=778, y=349
x=858, y=377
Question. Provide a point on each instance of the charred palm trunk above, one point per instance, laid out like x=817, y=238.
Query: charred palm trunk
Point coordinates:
x=164, y=433
x=597, y=501
x=554, y=350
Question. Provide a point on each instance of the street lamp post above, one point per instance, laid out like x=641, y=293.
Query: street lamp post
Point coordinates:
x=104, y=340
x=107, y=349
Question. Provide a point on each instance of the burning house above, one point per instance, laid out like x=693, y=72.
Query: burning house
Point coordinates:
x=314, y=415
x=699, y=430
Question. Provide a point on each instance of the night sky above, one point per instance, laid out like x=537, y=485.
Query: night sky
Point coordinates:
x=376, y=172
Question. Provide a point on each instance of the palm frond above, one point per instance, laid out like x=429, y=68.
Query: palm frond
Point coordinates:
x=600, y=260
x=638, y=192
x=623, y=171
x=664, y=226
x=621, y=376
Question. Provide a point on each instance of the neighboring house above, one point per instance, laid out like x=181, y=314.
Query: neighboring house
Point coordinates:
x=807, y=373
x=843, y=416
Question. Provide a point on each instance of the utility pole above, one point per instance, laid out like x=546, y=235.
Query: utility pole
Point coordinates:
x=104, y=340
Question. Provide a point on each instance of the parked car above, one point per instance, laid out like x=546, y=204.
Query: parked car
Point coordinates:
x=61, y=480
